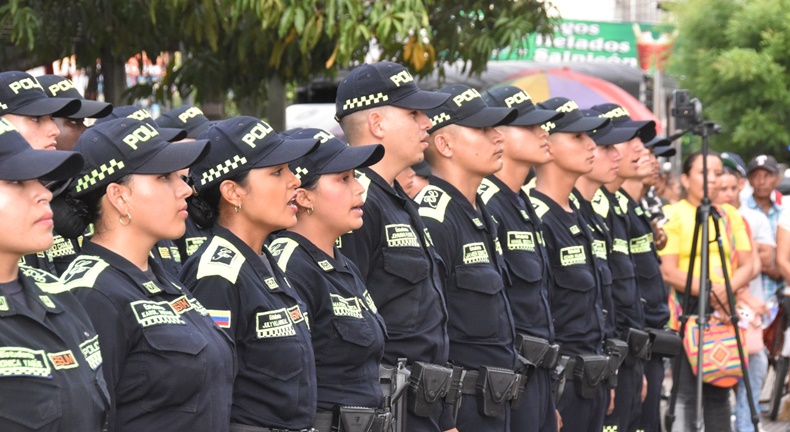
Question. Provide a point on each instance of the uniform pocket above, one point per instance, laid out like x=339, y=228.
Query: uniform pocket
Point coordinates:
x=280, y=359
x=406, y=263
x=354, y=331
x=573, y=299
x=398, y=299
x=476, y=302
x=29, y=404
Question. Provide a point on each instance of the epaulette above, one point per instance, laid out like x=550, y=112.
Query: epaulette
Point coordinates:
x=282, y=249
x=622, y=200
x=600, y=203
x=83, y=272
x=364, y=180
x=47, y=282
x=575, y=201
x=222, y=259
x=487, y=190
x=530, y=185
x=540, y=207
x=433, y=202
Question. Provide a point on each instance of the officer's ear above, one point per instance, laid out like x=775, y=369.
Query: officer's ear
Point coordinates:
x=231, y=192
x=304, y=198
x=375, y=122
x=117, y=196
x=441, y=142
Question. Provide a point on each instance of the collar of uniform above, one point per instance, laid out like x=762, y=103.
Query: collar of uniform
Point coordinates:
x=513, y=197
x=32, y=293
x=143, y=282
x=395, y=190
x=251, y=257
x=477, y=218
x=567, y=219
x=324, y=261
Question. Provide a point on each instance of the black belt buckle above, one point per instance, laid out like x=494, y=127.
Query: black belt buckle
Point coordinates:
x=360, y=419
x=494, y=387
x=427, y=384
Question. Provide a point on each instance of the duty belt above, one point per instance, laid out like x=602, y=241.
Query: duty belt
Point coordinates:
x=588, y=371
x=235, y=427
x=538, y=352
x=493, y=387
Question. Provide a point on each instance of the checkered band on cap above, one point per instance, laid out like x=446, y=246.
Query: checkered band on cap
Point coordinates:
x=300, y=171
x=548, y=126
x=222, y=169
x=368, y=100
x=98, y=174
x=440, y=118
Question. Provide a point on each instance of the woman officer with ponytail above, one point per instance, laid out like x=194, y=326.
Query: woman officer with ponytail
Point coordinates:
x=167, y=366
x=245, y=189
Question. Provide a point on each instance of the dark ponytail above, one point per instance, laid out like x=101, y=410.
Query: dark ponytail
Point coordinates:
x=72, y=215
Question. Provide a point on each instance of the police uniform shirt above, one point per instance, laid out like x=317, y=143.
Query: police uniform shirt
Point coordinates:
x=481, y=325
x=50, y=363
x=168, y=256
x=255, y=304
x=643, y=251
x=625, y=293
x=348, y=334
x=39, y=260
x=575, y=296
x=400, y=267
x=167, y=365
x=525, y=255
x=193, y=238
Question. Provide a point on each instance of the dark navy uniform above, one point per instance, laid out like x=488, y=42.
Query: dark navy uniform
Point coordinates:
x=630, y=315
x=401, y=269
x=39, y=260
x=348, y=333
x=250, y=298
x=524, y=252
x=481, y=325
x=192, y=239
x=654, y=292
x=167, y=366
x=576, y=304
x=50, y=363
x=168, y=256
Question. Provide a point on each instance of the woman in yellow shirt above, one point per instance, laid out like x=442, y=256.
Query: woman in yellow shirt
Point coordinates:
x=675, y=259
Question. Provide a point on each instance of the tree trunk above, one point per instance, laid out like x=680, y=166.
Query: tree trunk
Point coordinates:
x=114, y=73
x=275, y=104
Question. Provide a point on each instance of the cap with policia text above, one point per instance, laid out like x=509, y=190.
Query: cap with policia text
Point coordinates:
x=621, y=119
x=242, y=143
x=573, y=120
x=766, y=162
x=19, y=161
x=608, y=134
x=186, y=117
x=123, y=146
x=465, y=107
x=382, y=84
x=57, y=86
x=137, y=113
x=332, y=156
x=514, y=97
x=22, y=94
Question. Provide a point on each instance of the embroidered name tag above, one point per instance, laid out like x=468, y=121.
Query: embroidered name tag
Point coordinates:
x=401, y=235
x=475, y=253
x=572, y=255
x=18, y=361
x=149, y=313
x=520, y=240
x=274, y=324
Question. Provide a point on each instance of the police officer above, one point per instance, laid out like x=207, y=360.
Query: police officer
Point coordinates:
x=73, y=126
x=25, y=105
x=348, y=334
x=575, y=295
x=167, y=365
x=165, y=251
x=246, y=185
x=525, y=145
x=464, y=148
x=380, y=103
x=51, y=369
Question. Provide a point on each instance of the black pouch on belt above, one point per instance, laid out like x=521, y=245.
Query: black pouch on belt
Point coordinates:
x=638, y=346
x=551, y=358
x=588, y=373
x=618, y=352
x=533, y=349
x=665, y=342
x=359, y=419
x=428, y=383
x=495, y=386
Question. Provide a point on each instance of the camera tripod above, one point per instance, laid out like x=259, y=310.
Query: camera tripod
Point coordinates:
x=701, y=231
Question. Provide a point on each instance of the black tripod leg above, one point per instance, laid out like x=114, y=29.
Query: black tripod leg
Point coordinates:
x=734, y=318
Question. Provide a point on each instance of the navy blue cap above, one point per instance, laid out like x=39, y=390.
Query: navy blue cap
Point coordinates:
x=382, y=84
x=242, y=143
x=658, y=141
x=137, y=113
x=734, y=161
x=422, y=169
x=664, y=151
x=514, y=97
x=608, y=134
x=22, y=94
x=573, y=120
x=57, y=86
x=186, y=117
x=19, y=161
x=119, y=147
x=466, y=107
x=621, y=119
x=332, y=155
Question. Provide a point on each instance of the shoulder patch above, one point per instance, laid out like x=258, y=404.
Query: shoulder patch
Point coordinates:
x=600, y=203
x=622, y=201
x=364, y=181
x=487, y=190
x=222, y=259
x=282, y=249
x=575, y=201
x=433, y=202
x=83, y=272
x=540, y=207
x=45, y=281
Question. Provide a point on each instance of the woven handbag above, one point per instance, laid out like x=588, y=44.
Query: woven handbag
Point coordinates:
x=721, y=365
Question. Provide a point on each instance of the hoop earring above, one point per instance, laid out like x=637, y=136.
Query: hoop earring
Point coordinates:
x=237, y=208
x=310, y=210
x=120, y=220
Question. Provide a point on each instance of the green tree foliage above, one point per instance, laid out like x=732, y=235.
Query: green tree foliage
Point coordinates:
x=247, y=46
x=733, y=55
